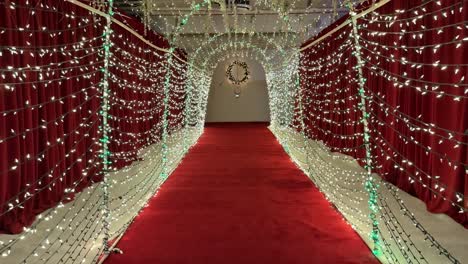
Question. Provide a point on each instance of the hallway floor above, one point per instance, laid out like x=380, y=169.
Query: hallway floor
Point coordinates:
x=238, y=198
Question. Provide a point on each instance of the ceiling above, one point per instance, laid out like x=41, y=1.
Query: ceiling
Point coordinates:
x=133, y=5
x=306, y=18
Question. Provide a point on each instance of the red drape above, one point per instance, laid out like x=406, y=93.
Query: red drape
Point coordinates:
x=49, y=127
x=419, y=107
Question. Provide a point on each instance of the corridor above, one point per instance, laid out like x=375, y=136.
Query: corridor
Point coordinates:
x=238, y=198
x=233, y=131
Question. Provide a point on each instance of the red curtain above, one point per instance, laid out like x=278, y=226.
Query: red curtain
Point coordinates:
x=328, y=88
x=50, y=66
x=416, y=86
x=138, y=75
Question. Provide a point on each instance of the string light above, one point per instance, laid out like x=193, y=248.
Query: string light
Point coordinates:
x=129, y=107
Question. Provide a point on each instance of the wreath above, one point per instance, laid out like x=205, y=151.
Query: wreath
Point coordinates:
x=236, y=79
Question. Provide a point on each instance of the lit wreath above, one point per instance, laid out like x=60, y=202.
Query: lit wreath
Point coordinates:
x=245, y=69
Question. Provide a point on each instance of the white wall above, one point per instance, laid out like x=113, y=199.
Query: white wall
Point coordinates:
x=250, y=106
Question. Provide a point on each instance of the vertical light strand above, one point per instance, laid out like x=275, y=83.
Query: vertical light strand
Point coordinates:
x=105, y=127
x=301, y=116
x=188, y=102
x=167, y=83
x=146, y=18
x=370, y=185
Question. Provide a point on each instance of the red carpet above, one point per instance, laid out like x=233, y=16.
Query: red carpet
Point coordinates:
x=238, y=198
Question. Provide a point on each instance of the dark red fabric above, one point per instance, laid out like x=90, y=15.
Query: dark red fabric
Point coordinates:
x=394, y=138
x=35, y=109
x=324, y=103
x=443, y=112
x=238, y=198
x=40, y=174
x=139, y=124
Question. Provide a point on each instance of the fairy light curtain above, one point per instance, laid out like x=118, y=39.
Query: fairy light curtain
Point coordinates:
x=51, y=102
x=136, y=81
x=328, y=87
x=415, y=72
x=178, y=95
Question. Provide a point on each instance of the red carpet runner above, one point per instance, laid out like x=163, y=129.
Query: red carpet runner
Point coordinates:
x=238, y=198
